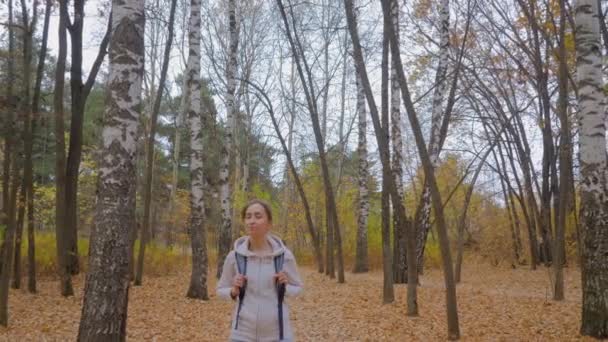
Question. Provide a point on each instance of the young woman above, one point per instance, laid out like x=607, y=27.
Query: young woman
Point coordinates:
x=258, y=273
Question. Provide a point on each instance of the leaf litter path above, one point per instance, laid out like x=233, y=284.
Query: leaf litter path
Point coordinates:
x=494, y=304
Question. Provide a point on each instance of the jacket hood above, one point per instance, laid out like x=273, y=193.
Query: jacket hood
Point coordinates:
x=241, y=245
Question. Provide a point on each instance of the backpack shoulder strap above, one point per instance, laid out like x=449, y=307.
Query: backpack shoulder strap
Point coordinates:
x=279, y=260
x=241, y=263
x=278, y=267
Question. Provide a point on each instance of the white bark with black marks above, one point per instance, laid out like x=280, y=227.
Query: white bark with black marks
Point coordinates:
x=198, y=236
x=424, y=221
x=104, y=312
x=399, y=229
x=361, y=260
x=225, y=231
x=593, y=186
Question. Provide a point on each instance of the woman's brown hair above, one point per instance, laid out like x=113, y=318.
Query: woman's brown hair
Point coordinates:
x=264, y=205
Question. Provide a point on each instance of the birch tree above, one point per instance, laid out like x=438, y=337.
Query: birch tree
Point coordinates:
x=593, y=166
x=104, y=311
x=225, y=229
x=361, y=259
x=451, y=306
x=423, y=214
x=382, y=139
x=198, y=279
x=399, y=236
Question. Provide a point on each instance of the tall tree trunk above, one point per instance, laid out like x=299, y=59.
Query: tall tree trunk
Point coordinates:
x=564, y=167
x=31, y=247
x=9, y=238
x=11, y=188
x=511, y=211
x=16, y=272
x=423, y=214
x=8, y=127
x=452, y=311
x=387, y=260
x=225, y=229
x=528, y=203
x=399, y=229
x=382, y=140
x=465, y=208
x=332, y=215
x=60, y=205
x=145, y=231
x=592, y=156
x=544, y=102
x=326, y=14
x=79, y=93
x=361, y=258
x=198, y=279
x=247, y=154
x=106, y=293
x=26, y=109
x=330, y=249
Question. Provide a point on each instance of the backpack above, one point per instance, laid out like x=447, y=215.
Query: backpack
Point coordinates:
x=241, y=264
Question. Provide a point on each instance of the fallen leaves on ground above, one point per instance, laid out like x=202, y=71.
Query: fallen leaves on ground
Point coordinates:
x=494, y=304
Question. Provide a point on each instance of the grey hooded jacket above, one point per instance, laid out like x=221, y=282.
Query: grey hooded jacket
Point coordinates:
x=258, y=319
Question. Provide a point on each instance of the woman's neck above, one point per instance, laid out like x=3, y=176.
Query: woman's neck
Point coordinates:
x=259, y=244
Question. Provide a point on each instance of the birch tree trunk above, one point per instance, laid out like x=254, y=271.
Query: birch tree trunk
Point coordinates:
x=382, y=139
x=106, y=293
x=399, y=230
x=361, y=259
x=198, y=278
x=225, y=230
x=424, y=216
x=594, y=187
x=451, y=306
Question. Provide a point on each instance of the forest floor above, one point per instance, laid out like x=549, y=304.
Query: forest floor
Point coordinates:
x=495, y=304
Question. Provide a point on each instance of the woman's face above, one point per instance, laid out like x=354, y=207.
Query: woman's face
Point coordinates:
x=257, y=221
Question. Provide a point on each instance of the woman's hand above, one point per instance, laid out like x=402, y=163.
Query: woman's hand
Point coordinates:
x=238, y=283
x=281, y=277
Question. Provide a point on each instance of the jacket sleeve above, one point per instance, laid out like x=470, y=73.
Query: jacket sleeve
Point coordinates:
x=224, y=285
x=294, y=282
